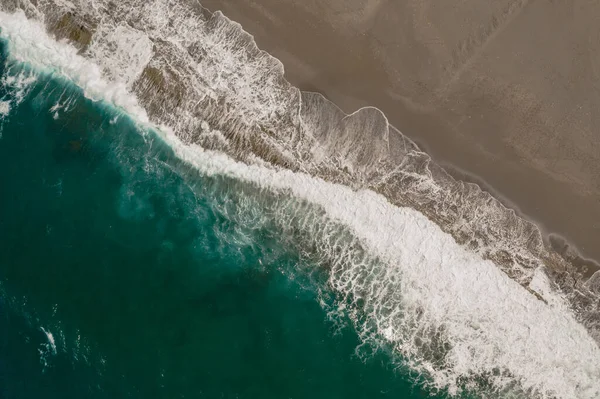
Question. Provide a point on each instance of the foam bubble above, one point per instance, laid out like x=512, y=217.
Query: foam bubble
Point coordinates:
x=18, y=83
x=47, y=349
x=127, y=51
x=51, y=341
x=4, y=108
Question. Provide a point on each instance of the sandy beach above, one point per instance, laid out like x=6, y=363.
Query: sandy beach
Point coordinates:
x=502, y=93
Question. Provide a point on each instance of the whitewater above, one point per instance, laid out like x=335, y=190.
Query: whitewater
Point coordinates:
x=403, y=280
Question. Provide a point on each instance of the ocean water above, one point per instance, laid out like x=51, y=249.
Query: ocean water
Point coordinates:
x=123, y=275
x=133, y=264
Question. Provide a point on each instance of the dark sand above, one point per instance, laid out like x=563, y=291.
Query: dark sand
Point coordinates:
x=505, y=93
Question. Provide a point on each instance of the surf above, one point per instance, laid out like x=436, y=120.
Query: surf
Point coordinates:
x=452, y=315
x=149, y=277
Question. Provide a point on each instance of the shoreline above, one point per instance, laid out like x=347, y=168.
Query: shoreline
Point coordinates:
x=255, y=115
x=505, y=175
x=464, y=305
x=448, y=248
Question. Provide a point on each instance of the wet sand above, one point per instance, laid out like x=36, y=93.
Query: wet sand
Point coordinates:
x=502, y=93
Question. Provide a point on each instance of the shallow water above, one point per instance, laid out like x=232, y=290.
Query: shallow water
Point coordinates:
x=122, y=273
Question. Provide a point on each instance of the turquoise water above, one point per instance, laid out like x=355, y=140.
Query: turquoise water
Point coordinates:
x=124, y=275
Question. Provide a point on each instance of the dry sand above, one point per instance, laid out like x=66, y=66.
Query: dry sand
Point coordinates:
x=505, y=93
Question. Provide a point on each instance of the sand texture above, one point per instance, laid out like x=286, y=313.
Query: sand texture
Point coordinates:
x=503, y=93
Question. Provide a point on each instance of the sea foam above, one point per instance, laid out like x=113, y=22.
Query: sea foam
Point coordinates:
x=28, y=42
x=4, y=108
x=427, y=282
x=413, y=283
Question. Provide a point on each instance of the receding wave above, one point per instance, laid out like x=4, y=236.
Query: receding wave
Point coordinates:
x=459, y=286
x=202, y=76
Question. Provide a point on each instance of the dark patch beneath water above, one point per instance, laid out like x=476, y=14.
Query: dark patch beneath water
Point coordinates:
x=121, y=253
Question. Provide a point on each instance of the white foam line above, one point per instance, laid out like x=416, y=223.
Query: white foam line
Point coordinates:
x=4, y=108
x=491, y=321
x=28, y=42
